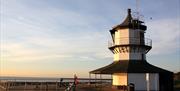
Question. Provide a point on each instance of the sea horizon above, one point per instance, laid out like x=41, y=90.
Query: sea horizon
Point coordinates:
x=44, y=79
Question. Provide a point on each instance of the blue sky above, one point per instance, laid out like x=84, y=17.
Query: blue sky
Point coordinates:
x=59, y=38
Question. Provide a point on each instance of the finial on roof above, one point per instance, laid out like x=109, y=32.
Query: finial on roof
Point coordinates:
x=129, y=18
x=129, y=11
x=129, y=22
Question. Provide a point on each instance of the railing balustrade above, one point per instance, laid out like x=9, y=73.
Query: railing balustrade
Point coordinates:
x=131, y=40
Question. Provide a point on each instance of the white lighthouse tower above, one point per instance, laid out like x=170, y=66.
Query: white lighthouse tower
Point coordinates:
x=130, y=47
x=129, y=44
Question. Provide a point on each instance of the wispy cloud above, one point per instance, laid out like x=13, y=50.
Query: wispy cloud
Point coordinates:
x=165, y=35
x=58, y=32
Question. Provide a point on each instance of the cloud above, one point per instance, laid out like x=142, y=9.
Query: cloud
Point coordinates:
x=50, y=34
x=60, y=31
x=41, y=49
x=30, y=34
x=165, y=36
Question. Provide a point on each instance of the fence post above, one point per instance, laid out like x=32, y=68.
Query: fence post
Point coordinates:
x=25, y=86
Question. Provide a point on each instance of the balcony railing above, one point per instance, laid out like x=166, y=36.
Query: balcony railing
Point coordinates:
x=130, y=41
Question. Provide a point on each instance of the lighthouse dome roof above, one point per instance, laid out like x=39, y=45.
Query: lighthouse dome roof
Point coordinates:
x=130, y=22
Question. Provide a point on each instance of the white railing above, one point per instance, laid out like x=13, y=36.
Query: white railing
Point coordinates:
x=126, y=41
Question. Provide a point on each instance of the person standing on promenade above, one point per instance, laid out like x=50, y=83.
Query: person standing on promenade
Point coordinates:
x=75, y=82
x=61, y=82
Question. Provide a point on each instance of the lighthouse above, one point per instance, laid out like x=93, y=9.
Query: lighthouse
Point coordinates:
x=130, y=65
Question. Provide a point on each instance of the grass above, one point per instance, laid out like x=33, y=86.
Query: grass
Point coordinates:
x=177, y=85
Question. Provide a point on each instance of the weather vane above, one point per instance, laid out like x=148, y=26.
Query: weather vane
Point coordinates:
x=136, y=15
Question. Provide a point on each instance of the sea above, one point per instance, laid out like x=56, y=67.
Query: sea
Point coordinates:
x=48, y=79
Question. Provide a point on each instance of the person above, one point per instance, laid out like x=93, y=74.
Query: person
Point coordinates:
x=61, y=82
x=75, y=79
x=75, y=82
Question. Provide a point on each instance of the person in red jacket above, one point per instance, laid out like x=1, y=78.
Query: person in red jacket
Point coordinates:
x=75, y=79
x=75, y=82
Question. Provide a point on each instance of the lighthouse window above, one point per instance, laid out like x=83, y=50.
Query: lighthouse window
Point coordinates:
x=113, y=35
x=142, y=38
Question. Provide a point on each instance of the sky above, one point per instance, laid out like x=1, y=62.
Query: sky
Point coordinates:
x=60, y=38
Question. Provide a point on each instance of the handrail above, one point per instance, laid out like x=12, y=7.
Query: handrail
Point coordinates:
x=130, y=40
